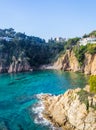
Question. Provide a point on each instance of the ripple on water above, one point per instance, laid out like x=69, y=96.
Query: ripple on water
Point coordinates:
x=18, y=94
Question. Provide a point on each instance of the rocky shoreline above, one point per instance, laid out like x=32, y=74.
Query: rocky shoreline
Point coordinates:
x=48, y=67
x=69, y=111
x=66, y=62
x=69, y=62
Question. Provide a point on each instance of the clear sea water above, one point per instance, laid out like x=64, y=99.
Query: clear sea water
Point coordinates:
x=18, y=95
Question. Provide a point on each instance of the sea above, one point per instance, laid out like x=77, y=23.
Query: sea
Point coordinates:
x=20, y=106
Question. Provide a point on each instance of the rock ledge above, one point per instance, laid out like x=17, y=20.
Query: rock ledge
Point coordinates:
x=69, y=112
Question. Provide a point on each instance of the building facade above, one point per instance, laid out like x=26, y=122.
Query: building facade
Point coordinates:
x=85, y=41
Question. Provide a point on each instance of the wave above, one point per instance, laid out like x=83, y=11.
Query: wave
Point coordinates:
x=39, y=96
x=38, y=109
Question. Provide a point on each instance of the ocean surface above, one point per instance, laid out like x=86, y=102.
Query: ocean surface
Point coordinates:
x=20, y=108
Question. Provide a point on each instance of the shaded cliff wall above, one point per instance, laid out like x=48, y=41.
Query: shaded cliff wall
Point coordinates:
x=69, y=62
x=13, y=64
x=19, y=65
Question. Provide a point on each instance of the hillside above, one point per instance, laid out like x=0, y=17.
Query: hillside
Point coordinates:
x=19, y=52
x=70, y=62
x=80, y=58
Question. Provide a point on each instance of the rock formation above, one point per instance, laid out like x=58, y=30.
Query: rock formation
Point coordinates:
x=69, y=112
x=4, y=65
x=13, y=64
x=69, y=62
x=90, y=64
x=18, y=65
x=66, y=62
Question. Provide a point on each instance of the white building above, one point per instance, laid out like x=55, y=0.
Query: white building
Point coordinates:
x=6, y=38
x=59, y=39
x=85, y=41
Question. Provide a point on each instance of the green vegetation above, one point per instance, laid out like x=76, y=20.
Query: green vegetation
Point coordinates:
x=83, y=97
x=92, y=82
x=93, y=33
x=80, y=53
x=81, y=50
x=91, y=48
x=71, y=42
x=34, y=49
x=85, y=35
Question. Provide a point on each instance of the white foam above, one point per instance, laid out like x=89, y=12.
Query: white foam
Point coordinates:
x=38, y=110
x=41, y=94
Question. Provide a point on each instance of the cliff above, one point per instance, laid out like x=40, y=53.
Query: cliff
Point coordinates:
x=19, y=65
x=13, y=64
x=69, y=62
x=70, y=111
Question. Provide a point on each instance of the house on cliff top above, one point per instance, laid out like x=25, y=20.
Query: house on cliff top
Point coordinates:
x=85, y=41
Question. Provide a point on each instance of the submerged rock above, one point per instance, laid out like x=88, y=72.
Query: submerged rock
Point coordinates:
x=3, y=126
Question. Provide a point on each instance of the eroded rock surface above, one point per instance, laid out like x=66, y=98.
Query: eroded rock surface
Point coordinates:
x=69, y=62
x=19, y=65
x=68, y=112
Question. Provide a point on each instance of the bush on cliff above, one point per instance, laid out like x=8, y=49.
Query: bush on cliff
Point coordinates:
x=71, y=42
x=91, y=48
x=81, y=50
x=92, y=82
x=83, y=97
x=80, y=53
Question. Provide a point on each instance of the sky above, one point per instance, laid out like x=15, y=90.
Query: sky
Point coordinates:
x=49, y=18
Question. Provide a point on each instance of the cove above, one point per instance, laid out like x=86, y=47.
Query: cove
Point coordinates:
x=18, y=95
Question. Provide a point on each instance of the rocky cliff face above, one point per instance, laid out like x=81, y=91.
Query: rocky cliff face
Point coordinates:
x=68, y=112
x=19, y=64
x=68, y=61
x=4, y=65
x=90, y=64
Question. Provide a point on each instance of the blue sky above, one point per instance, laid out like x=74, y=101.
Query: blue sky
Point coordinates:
x=49, y=18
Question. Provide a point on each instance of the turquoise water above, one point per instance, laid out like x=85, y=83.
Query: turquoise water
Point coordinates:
x=18, y=95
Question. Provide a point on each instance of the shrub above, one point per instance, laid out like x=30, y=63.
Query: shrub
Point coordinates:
x=80, y=53
x=92, y=82
x=81, y=50
x=83, y=97
x=91, y=48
